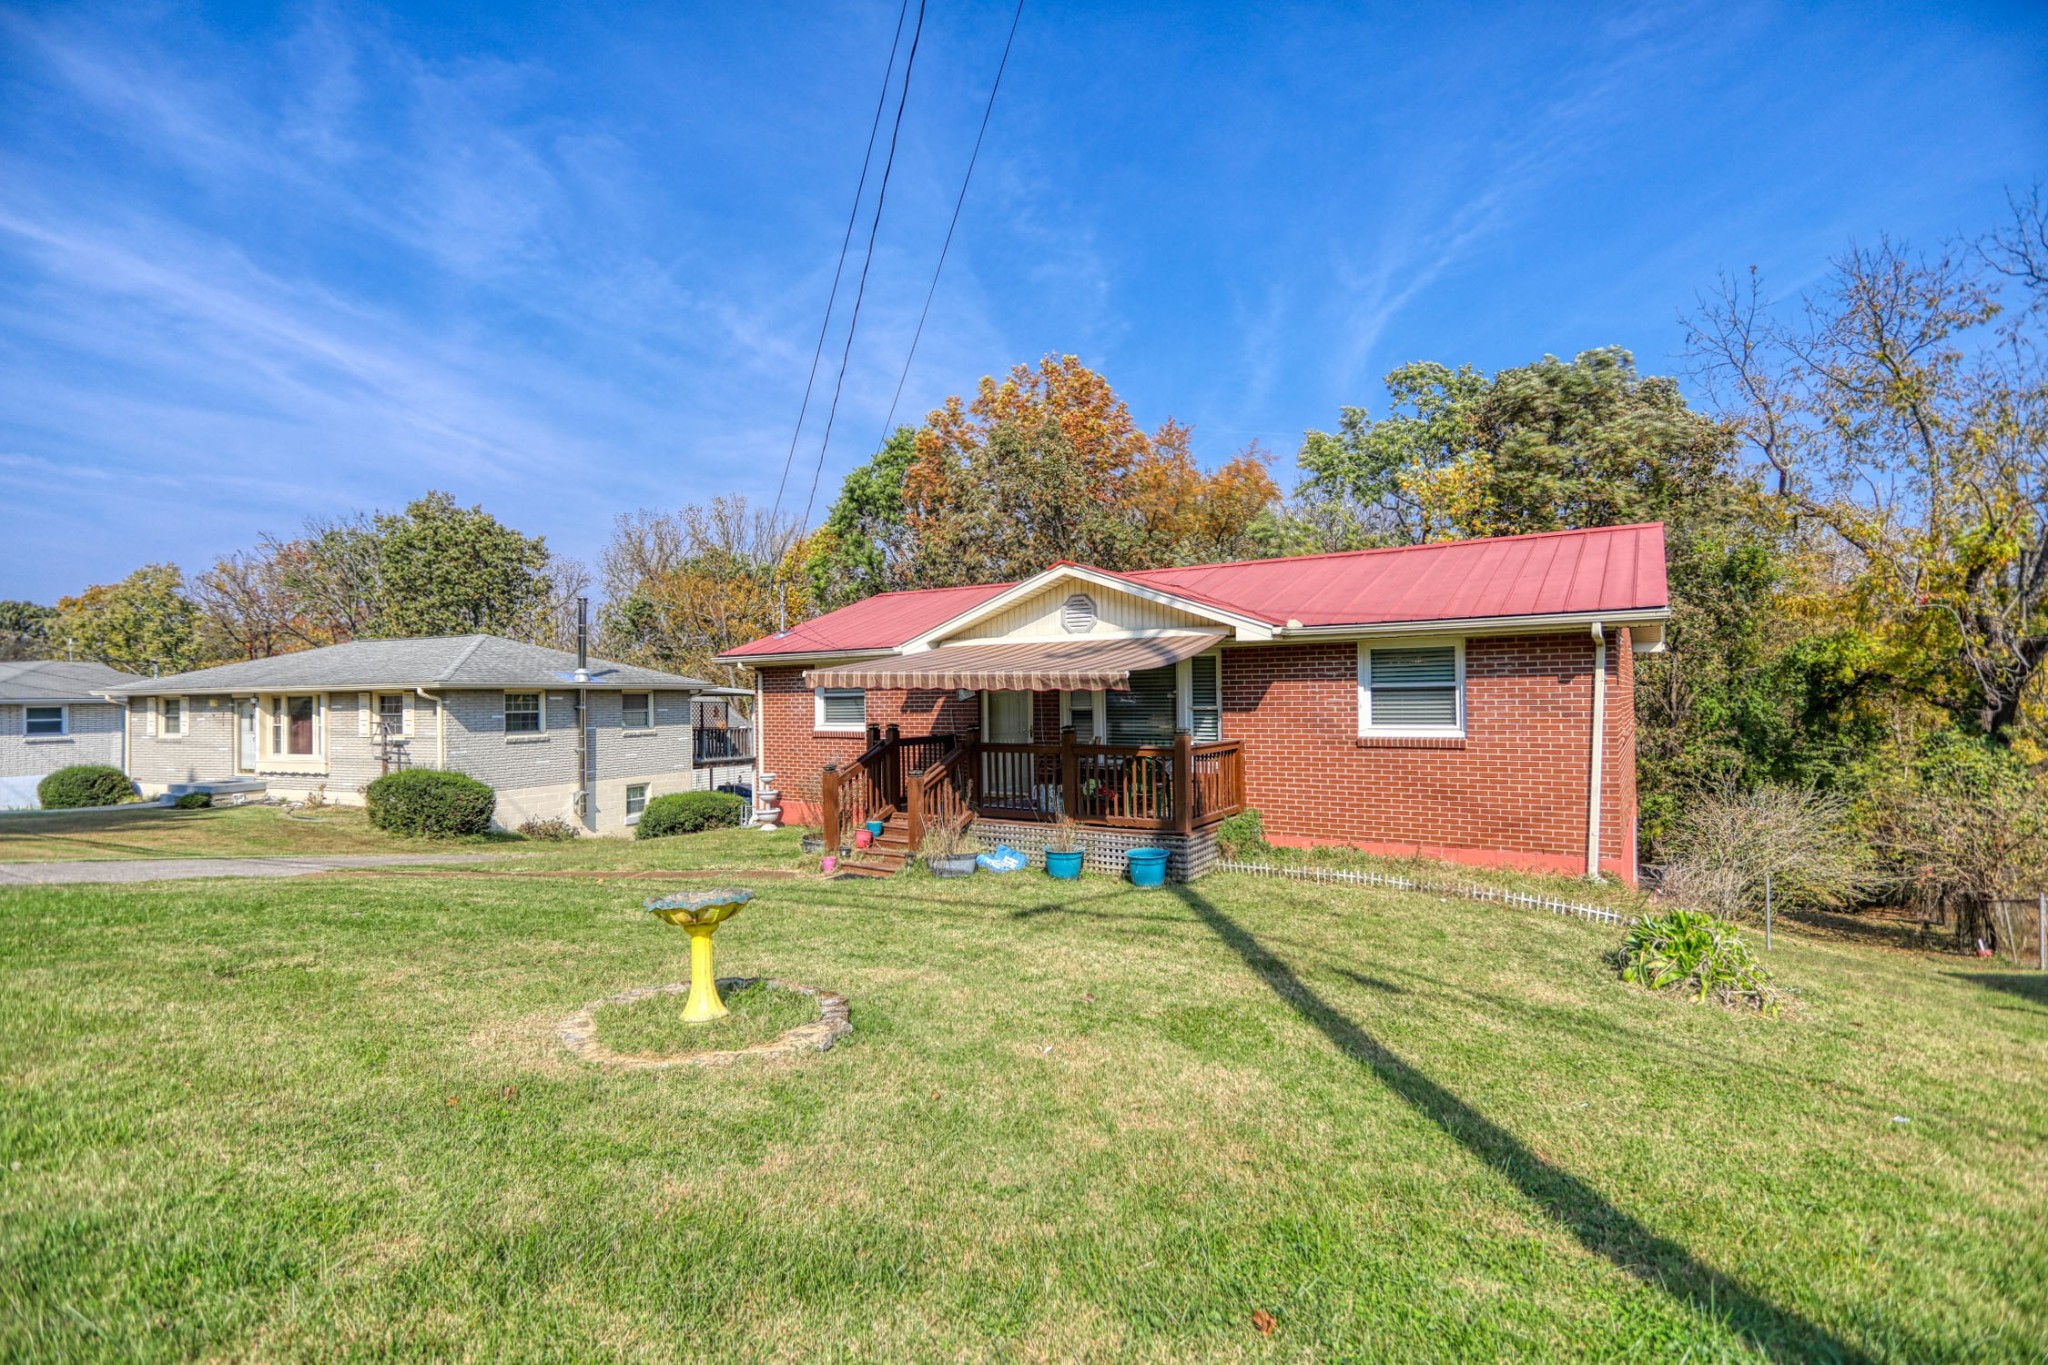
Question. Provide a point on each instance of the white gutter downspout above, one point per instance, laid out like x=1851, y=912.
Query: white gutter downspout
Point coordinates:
x=1599, y=736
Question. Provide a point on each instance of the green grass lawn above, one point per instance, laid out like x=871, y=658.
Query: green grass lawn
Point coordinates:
x=328, y=1118
x=151, y=831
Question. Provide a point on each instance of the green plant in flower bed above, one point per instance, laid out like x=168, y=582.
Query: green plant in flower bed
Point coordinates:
x=1698, y=954
x=429, y=802
x=1243, y=835
x=654, y=1026
x=194, y=801
x=83, y=785
x=687, y=813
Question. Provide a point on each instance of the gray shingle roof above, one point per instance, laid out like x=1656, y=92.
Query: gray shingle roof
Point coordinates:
x=57, y=680
x=454, y=662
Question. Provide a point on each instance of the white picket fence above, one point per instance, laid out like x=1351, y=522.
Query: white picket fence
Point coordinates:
x=1478, y=891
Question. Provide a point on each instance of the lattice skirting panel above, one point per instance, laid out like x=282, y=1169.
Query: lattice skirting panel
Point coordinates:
x=1189, y=857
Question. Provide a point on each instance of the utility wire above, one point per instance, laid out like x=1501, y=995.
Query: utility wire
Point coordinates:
x=888, y=425
x=853, y=322
x=846, y=239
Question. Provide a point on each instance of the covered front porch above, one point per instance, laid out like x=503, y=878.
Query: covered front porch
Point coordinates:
x=1136, y=747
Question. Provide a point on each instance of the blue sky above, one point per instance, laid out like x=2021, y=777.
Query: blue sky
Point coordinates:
x=568, y=261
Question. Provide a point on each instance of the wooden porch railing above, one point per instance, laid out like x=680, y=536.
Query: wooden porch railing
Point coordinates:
x=1179, y=787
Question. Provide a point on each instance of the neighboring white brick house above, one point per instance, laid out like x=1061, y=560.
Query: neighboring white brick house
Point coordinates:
x=330, y=721
x=51, y=717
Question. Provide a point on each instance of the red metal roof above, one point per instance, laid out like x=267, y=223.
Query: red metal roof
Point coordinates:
x=1617, y=568
x=881, y=622
x=1550, y=573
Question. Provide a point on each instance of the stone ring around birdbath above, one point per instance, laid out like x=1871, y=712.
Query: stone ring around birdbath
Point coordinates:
x=701, y=912
x=579, y=1031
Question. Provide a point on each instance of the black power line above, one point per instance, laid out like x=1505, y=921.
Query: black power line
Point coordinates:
x=853, y=322
x=965, y=180
x=845, y=240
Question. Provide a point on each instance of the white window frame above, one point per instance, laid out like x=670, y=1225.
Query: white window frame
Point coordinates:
x=1367, y=730
x=646, y=724
x=505, y=714
x=376, y=717
x=1184, y=695
x=275, y=734
x=818, y=712
x=1096, y=718
x=633, y=816
x=163, y=714
x=63, y=721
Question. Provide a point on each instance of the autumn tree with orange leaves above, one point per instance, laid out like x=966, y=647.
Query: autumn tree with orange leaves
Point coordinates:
x=1043, y=465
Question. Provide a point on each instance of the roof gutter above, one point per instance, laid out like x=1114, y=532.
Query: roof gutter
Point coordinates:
x=1477, y=625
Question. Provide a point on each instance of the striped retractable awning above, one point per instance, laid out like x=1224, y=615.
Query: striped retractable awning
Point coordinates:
x=1034, y=666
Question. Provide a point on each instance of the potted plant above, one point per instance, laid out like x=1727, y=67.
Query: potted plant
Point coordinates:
x=1065, y=850
x=948, y=849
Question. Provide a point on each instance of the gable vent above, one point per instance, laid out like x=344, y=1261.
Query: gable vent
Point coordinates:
x=1077, y=614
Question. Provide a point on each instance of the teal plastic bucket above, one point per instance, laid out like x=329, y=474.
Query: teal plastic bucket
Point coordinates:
x=1148, y=866
x=1066, y=866
x=875, y=827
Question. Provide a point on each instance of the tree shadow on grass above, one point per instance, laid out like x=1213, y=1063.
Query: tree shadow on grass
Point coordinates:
x=1582, y=1211
x=2026, y=985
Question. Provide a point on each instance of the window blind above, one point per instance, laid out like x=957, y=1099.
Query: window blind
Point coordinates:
x=1144, y=714
x=1415, y=688
x=846, y=706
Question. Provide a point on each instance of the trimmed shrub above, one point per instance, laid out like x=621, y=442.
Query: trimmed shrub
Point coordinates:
x=689, y=812
x=193, y=801
x=1243, y=835
x=440, y=805
x=552, y=829
x=1698, y=954
x=84, y=784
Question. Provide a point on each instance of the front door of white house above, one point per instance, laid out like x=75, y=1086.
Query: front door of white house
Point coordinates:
x=245, y=734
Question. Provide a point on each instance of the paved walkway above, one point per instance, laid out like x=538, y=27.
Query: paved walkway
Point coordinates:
x=185, y=869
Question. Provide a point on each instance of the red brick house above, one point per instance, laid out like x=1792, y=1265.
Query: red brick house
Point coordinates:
x=1471, y=700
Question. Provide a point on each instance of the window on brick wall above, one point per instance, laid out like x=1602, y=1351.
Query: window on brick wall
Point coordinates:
x=1412, y=689
x=842, y=708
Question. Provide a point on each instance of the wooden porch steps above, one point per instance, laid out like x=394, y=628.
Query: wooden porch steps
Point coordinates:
x=886, y=856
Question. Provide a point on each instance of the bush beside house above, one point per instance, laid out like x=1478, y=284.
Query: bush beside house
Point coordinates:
x=422, y=801
x=689, y=812
x=85, y=784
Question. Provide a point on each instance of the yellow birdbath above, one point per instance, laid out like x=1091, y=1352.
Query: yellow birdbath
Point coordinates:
x=701, y=914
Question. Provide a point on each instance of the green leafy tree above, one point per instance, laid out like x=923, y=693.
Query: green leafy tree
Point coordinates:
x=449, y=570
x=25, y=630
x=862, y=547
x=144, y=622
x=1902, y=407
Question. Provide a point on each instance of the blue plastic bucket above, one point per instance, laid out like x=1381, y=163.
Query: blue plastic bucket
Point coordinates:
x=875, y=827
x=1066, y=866
x=1147, y=865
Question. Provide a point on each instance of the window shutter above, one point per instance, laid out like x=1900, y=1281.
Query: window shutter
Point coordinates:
x=1205, y=698
x=365, y=704
x=1145, y=713
x=149, y=717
